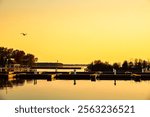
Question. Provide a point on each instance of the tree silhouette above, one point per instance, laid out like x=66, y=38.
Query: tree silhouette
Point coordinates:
x=98, y=65
x=135, y=65
x=116, y=66
x=125, y=65
x=8, y=56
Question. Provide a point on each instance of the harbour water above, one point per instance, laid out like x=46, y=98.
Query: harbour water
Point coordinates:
x=74, y=90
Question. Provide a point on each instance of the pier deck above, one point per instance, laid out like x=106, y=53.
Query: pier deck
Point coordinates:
x=76, y=76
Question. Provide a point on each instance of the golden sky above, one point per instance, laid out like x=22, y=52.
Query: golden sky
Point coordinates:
x=77, y=31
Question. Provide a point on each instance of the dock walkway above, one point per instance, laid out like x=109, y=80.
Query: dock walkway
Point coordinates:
x=76, y=76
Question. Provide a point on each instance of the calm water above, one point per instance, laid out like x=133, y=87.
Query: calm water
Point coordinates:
x=65, y=89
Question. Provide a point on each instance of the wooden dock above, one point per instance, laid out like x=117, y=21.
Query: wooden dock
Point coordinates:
x=75, y=76
x=35, y=76
x=114, y=77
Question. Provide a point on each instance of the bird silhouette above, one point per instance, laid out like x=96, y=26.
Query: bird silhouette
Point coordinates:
x=24, y=34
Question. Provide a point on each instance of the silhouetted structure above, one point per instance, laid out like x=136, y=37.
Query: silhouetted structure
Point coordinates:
x=46, y=64
x=138, y=65
x=98, y=65
x=10, y=56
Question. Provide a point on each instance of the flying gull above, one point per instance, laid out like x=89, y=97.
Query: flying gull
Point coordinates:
x=24, y=34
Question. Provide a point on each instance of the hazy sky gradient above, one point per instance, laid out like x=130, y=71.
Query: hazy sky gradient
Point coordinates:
x=77, y=31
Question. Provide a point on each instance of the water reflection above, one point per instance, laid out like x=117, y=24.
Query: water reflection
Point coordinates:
x=10, y=83
x=74, y=83
x=115, y=82
x=5, y=83
x=73, y=89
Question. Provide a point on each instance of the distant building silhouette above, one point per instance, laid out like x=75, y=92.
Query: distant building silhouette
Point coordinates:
x=47, y=64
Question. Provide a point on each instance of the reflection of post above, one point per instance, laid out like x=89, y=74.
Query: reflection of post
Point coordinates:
x=115, y=82
x=74, y=82
x=35, y=81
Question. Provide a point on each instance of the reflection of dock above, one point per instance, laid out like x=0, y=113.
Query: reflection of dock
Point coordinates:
x=20, y=78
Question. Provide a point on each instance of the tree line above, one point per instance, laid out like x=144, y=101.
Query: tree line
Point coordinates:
x=135, y=65
x=9, y=56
